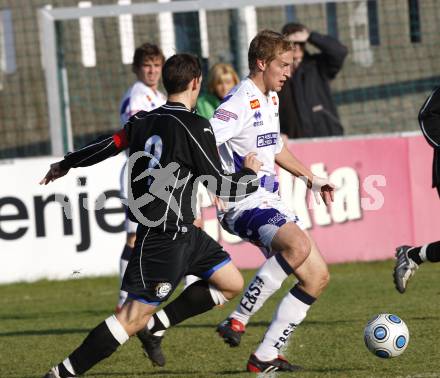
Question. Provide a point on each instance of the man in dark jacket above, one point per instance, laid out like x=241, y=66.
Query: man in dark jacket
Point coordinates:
x=306, y=106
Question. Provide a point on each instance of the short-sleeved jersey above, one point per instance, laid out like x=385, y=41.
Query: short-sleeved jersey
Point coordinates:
x=139, y=97
x=247, y=121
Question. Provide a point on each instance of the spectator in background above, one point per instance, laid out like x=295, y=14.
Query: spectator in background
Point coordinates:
x=221, y=79
x=306, y=105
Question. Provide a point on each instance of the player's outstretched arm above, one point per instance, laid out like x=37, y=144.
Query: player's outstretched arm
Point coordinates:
x=55, y=172
x=321, y=187
x=285, y=159
x=93, y=153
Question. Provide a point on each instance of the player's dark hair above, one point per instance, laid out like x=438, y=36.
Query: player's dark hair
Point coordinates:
x=291, y=28
x=147, y=51
x=178, y=71
x=265, y=46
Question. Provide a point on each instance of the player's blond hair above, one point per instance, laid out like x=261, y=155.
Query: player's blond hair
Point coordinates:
x=265, y=46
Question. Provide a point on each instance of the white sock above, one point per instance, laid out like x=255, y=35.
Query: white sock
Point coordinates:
x=122, y=294
x=67, y=364
x=163, y=319
x=189, y=280
x=217, y=296
x=117, y=329
x=266, y=282
x=289, y=314
x=422, y=253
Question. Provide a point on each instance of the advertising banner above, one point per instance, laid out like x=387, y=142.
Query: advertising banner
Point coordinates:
x=383, y=199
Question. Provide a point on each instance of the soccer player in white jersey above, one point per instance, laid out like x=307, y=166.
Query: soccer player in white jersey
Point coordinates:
x=246, y=121
x=142, y=95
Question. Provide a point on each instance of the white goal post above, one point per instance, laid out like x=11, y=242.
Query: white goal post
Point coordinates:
x=55, y=75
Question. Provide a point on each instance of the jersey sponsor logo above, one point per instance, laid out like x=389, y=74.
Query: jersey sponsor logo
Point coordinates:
x=162, y=289
x=276, y=114
x=208, y=130
x=274, y=100
x=285, y=335
x=225, y=115
x=259, y=121
x=268, y=139
x=252, y=294
x=255, y=104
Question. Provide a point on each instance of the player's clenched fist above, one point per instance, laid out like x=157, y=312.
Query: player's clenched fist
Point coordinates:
x=251, y=161
x=54, y=173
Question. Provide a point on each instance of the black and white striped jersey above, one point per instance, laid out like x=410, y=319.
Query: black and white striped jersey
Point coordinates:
x=171, y=150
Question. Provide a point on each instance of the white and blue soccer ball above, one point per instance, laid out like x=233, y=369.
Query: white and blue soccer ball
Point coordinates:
x=386, y=336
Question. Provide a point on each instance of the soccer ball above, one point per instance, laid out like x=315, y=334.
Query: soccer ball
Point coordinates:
x=386, y=336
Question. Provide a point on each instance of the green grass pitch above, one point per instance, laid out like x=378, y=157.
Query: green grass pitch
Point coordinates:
x=42, y=322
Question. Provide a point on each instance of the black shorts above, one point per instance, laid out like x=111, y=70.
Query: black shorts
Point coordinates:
x=158, y=263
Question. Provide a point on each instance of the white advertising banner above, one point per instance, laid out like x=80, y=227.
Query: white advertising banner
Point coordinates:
x=74, y=226
x=65, y=229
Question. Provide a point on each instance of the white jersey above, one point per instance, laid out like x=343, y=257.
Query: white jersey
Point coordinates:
x=247, y=121
x=139, y=97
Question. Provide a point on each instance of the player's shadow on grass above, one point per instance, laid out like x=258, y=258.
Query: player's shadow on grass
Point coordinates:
x=422, y=317
x=45, y=332
x=165, y=373
x=341, y=370
x=55, y=314
x=327, y=323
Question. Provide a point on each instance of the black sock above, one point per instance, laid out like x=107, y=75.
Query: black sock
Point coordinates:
x=433, y=252
x=99, y=344
x=414, y=255
x=194, y=300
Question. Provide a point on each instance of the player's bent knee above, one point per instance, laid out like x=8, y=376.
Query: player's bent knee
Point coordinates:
x=134, y=316
x=324, y=278
x=228, y=280
x=234, y=288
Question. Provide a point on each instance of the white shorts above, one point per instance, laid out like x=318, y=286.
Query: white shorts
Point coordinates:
x=258, y=218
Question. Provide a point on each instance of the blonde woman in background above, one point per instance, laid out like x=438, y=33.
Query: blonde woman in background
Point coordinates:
x=221, y=79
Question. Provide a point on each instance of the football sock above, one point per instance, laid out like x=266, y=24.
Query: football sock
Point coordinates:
x=290, y=313
x=158, y=323
x=266, y=282
x=189, y=280
x=123, y=262
x=414, y=255
x=100, y=343
x=428, y=252
x=432, y=252
x=194, y=300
